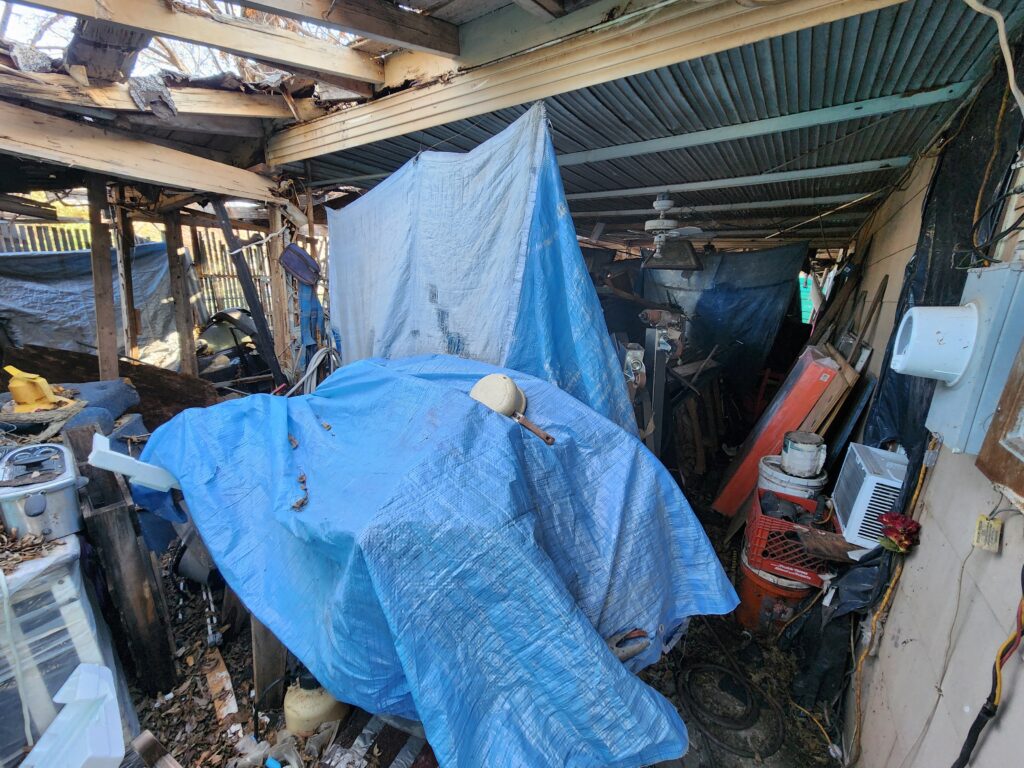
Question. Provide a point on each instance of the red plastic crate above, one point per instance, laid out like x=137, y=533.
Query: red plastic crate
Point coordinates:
x=772, y=545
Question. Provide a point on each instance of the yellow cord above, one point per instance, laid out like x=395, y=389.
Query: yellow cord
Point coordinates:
x=999, y=657
x=821, y=728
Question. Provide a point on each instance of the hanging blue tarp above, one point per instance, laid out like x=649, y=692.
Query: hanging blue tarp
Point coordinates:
x=46, y=299
x=426, y=557
x=475, y=255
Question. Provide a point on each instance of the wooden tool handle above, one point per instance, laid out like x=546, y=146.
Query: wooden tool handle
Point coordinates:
x=525, y=422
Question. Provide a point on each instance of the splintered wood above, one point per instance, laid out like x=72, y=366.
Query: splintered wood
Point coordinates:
x=219, y=683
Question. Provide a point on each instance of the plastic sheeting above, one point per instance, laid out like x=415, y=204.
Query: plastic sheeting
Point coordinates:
x=46, y=299
x=428, y=558
x=476, y=255
x=737, y=302
x=48, y=626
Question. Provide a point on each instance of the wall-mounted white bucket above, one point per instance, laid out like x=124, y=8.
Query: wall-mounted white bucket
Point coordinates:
x=936, y=342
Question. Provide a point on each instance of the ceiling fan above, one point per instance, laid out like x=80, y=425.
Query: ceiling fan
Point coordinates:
x=672, y=249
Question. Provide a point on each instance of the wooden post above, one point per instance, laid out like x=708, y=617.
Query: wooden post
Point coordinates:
x=269, y=663
x=125, y=247
x=102, y=280
x=112, y=527
x=264, y=340
x=279, y=292
x=180, y=294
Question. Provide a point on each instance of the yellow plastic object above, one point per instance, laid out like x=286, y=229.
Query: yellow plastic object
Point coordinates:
x=31, y=392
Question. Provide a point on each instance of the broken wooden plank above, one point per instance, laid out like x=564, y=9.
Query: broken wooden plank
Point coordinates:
x=27, y=133
x=162, y=393
x=113, y=530
x=375, y=19
x=218, y=680
x=153, y=753
x=232, y=34
x=63, y=90
x=102, y=279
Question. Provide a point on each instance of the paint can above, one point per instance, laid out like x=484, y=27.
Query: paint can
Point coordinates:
x=803, y=454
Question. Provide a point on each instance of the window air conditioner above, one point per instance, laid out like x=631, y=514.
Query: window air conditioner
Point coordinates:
x=869, y=485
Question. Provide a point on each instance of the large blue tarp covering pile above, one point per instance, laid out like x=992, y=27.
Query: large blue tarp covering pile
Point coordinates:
x=475, y=254
x=427, y=557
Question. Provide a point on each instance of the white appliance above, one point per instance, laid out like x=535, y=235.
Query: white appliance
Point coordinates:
x=869, y=486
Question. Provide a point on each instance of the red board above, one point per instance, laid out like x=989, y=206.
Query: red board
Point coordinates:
x=806, y=383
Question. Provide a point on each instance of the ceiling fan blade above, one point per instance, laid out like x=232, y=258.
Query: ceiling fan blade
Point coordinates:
x=684, y=231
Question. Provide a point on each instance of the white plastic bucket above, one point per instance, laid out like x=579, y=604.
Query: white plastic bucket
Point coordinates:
x=803, y=454
x=770, y=477
x=936, y=342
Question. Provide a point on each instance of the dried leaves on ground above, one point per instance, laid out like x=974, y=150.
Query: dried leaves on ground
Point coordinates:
x=15, y=551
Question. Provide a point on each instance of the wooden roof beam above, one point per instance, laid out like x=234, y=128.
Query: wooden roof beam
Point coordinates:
x=634, y=43
x=261, y=42
x=24, y=206
x=374, y=19
x=27, y=133
x=63, y=90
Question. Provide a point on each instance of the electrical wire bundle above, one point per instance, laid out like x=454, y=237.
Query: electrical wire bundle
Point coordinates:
x=991, y=707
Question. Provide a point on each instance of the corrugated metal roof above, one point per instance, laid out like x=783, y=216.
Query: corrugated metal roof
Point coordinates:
x=919, y=45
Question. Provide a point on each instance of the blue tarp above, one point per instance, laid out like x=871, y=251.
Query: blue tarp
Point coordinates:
x=46, y=299
x=426, y=557
x=475, y=254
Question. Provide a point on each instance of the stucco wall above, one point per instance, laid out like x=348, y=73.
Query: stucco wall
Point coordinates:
x=907, y=723
x=893, y=230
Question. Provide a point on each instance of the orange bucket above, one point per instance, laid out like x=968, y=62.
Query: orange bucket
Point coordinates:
x=766, y=600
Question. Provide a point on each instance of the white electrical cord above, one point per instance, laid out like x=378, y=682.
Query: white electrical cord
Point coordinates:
x=1004, y=46
x=308, y=381
x=266, y=239
x=19, y=679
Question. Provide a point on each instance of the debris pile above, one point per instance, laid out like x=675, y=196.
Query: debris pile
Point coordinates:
x=185, y=720
x=16, y=550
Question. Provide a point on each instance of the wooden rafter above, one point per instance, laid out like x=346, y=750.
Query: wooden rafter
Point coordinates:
x=63, y=90
x=374, y=19
x=27, y=133
x=24, y=206
x=627, y=46
x=273, y=45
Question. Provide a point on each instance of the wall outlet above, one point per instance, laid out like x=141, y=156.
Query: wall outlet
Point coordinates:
x=988, y=533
